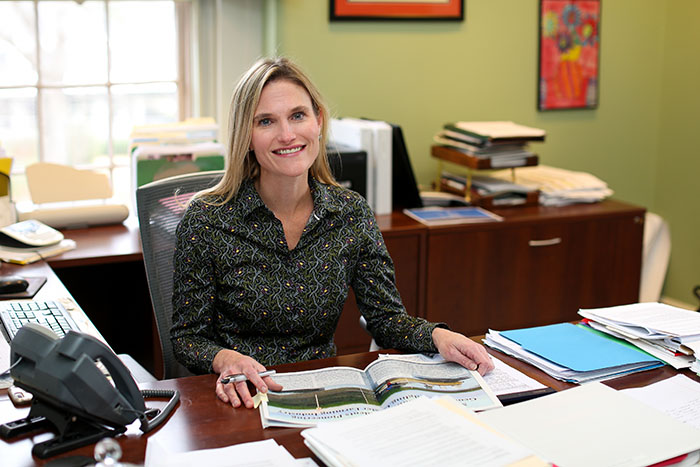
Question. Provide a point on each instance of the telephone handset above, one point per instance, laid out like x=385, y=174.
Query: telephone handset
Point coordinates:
x=72, y=393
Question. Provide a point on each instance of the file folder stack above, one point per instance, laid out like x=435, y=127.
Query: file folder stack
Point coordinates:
x=669, y=333
x=572, y=353
x=163, y=150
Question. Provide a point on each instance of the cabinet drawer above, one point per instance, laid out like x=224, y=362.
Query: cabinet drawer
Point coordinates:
x=520, y=275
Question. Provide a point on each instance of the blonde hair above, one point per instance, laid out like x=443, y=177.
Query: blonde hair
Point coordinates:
x=241, y=163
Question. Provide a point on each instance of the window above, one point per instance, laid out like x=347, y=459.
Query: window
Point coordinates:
x=77, y=76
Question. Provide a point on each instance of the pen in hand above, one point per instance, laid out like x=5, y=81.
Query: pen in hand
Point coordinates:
x=239, y=377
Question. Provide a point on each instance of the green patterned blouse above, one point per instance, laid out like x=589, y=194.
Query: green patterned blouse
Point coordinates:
x=238, y=286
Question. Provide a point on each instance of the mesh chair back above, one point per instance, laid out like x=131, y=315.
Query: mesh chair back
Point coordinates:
x=160, y=207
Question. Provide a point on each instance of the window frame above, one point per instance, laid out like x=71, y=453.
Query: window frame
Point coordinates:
x=183, y=83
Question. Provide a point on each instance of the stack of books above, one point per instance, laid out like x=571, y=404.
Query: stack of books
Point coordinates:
x=503, y=143
x=572, y=353
x=669, y=333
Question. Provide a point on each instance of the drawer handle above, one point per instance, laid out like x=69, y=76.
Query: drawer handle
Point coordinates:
x=548, y=242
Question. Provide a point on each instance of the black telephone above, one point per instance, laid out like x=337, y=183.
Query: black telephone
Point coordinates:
x=72, y=394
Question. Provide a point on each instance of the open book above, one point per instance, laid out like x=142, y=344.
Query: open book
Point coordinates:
x=337, y=393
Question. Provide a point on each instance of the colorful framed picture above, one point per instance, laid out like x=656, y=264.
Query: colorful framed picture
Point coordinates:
x=365, y=10
x=569, y=51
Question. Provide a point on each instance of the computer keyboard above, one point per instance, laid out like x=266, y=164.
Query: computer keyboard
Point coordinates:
x=16, y=313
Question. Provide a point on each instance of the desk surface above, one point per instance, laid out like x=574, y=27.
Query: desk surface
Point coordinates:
x=201, y=421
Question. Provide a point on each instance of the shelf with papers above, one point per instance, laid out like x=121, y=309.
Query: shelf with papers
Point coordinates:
x=472, y=162
x=444, y=153
x=490, y=201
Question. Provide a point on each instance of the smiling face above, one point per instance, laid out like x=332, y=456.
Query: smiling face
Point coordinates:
x=286, y=132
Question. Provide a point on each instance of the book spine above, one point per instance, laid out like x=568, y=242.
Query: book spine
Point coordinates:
x=474, y=138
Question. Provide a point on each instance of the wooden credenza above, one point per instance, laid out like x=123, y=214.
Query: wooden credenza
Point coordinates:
x=472, y=277
x=539, y=266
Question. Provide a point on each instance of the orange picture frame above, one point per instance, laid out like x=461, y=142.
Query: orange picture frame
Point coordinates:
x=364, y=10
x=569, y=54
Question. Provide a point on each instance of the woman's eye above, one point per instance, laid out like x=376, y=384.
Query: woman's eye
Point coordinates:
x=264, y=122
x=297, y=115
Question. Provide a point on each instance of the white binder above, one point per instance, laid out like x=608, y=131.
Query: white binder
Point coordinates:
x=373, y=137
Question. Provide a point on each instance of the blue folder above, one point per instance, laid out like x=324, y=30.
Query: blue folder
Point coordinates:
x=578, y=348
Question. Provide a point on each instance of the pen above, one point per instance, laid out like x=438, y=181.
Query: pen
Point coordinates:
x=237, y=378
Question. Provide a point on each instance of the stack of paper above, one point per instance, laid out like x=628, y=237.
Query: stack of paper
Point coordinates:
x=559, y=187
x=417, y=433
x=669, y=333
x=572, y=353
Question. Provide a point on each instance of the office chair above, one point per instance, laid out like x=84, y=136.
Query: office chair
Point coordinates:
x=160, y=205
x=373, y=344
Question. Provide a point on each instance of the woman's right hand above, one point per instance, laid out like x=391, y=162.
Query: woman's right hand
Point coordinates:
x=229, y=362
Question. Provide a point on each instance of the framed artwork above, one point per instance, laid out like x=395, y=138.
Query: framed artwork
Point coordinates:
x=364, y=10
x=569, y=50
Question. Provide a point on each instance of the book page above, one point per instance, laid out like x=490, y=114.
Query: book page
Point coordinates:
x=324, y=378
x=397, y=381
x=309, y=397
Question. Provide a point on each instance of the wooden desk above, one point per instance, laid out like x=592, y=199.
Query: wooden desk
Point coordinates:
x=108, y=244
x=52, y=289
x=201, y=421
x=106, y=275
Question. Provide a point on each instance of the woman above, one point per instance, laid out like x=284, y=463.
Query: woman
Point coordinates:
x=265, y=258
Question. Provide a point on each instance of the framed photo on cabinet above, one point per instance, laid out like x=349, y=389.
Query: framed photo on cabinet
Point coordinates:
x=569, y=54
x=367, y=10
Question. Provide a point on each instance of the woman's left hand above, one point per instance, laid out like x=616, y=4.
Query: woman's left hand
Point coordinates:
x=455, y=347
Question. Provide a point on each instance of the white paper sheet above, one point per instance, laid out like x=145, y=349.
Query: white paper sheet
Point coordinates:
x=504, y=379
x=678, y=396
x=265, y=453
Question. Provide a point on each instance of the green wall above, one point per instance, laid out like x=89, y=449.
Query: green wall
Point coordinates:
x=678, y=162
x=423, y=74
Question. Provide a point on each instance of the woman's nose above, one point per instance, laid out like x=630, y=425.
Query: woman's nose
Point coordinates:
x=286, y=133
